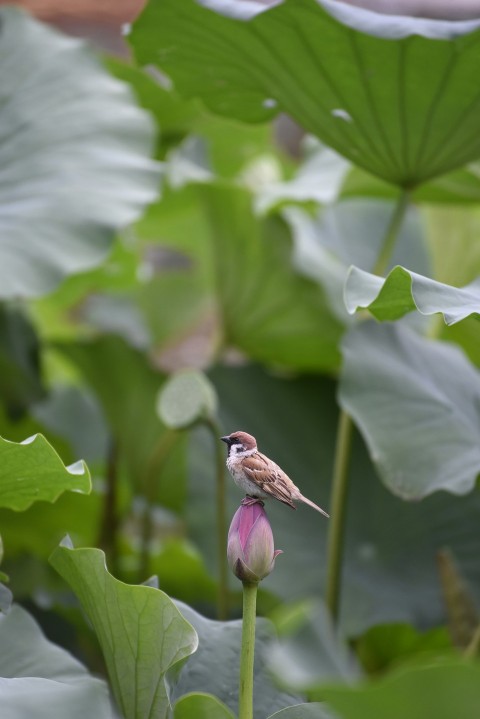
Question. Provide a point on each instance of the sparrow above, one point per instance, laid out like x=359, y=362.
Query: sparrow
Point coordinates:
x=257, y=475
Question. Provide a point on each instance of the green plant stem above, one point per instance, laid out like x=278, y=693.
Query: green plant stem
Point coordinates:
x=338, y=507
x=221, y=508
x=245, y=696
x=160, y=453
x=107, y=539
x=391, y=233
x=336, y=529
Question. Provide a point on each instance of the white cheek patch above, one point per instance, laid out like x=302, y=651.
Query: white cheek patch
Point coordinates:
x=241, y=452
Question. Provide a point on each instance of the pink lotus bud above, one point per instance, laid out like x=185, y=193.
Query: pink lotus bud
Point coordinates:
x=250, y=550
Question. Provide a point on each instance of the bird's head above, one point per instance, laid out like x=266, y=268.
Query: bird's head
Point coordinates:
x=240, y=443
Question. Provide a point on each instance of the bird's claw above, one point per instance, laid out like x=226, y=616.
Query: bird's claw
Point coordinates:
x=249, y=501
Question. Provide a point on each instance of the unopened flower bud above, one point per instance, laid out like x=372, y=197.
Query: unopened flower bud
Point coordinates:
x=250, y=550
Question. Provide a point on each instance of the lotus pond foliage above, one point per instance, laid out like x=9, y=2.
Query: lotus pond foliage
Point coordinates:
x=180, y=260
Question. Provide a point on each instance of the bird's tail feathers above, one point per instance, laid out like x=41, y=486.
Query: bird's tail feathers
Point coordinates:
x=312, y=504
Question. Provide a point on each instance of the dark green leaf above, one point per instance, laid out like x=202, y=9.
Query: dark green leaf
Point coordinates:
x=74, y=157
x=141, y=632
x=20, y=380
x=451, y=689
x=78, y=514
x=387, y=645
x=404, y=291
x=416, y=404
x=268, y=311
x=42, y=680
x=32, y=471
x=400, y=103
x=182, y=571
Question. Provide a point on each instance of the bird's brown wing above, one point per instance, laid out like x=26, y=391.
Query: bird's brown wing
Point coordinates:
x=269, y=477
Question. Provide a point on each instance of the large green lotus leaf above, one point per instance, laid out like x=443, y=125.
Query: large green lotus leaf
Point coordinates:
x=126, y=386
x=390, y=544
x=314, y=710
x=387, y=646
x=262, y=305
x=396, y=98
x=458, y=187
x=403, y=291
x=43, y=526
x=215, y=667
x=243, y=266
x=32, y=471
x=75, y=157
x=450, y=689
x=41, y=680
x=201, y=706
x=71, y=421
x=268, y=311
x=191, y=311
x=182, y=573
x=416, y=403
x=141, y=632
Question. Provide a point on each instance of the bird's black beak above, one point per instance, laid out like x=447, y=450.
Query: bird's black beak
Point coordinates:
x=225, y=439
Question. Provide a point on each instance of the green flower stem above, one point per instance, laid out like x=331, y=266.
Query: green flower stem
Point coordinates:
x=245, y=697
x=336, y=527
x=222, y=596
x=161, y=451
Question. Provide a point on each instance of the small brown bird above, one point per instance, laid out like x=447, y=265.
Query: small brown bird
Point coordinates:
x=257, y=475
